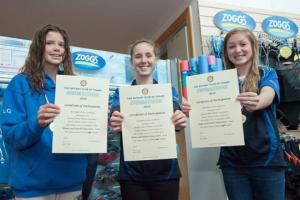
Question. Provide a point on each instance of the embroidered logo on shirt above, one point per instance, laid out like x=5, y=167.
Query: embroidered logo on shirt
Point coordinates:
x=7, y=111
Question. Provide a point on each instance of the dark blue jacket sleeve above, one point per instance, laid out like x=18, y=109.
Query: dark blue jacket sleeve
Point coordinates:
x=176, y=102
x=115, y=104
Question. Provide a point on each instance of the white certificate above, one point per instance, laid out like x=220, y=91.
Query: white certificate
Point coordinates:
x=215, y=118
x=81, y=126
x=147, y=130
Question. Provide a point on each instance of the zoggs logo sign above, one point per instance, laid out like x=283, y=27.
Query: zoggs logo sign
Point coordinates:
x=280, y=27
x=229, y=19
x=87, y=60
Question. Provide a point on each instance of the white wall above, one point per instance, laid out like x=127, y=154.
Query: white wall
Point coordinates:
x=195, y=27
x=289, y=6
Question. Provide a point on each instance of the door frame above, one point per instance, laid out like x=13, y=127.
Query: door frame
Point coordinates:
x=184, y=18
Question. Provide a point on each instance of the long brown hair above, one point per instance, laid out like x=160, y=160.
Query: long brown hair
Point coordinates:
x=252, y=78
x=33, y=66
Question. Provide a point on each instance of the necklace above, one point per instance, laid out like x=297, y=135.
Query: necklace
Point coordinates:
x=241, y=82
x=244, y=118
x=51, y=125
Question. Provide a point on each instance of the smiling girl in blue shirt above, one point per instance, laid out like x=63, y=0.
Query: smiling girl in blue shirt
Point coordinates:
x=151, y=179
x=254, y=171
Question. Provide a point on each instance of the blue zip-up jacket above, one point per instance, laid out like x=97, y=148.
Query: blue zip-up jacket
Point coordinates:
x=149, y=170
x=35, y=171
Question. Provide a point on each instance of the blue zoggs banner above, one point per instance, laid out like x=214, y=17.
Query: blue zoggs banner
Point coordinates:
x=280, y=27
x=229, y=19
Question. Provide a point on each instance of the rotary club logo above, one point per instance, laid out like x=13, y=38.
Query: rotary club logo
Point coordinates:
x=83, y=83
x=145, y=91
x=210, y=78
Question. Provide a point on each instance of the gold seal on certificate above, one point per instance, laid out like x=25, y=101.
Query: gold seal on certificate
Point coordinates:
x=215, y=118
x=145, y=91
x=81, y=126
x=147, y=130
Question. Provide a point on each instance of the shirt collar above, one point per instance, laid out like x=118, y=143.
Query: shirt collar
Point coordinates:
x=134, y=82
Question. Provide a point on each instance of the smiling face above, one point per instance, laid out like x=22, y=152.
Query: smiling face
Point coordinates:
x=54, y=49
x=239, y=51
x=143, y=59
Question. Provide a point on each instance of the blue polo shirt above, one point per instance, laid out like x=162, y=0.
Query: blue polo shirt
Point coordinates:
x=149, y=170
x=262, y=144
